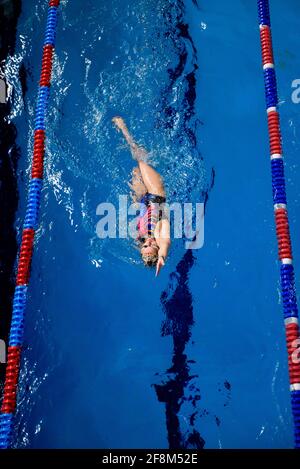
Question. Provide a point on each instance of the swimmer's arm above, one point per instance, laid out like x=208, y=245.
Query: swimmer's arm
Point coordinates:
x=164, y=246
x=163, y=230
x=164, y=243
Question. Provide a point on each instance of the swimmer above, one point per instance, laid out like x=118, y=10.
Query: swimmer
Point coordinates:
x=147, y=188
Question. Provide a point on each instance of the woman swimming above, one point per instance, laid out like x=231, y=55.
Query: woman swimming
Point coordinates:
x=148, y=189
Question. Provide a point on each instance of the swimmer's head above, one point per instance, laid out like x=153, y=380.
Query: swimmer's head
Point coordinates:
x=149, y=252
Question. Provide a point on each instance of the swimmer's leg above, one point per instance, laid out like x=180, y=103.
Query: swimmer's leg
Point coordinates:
x=137, y=186
x=137, y=151
x=151, y=178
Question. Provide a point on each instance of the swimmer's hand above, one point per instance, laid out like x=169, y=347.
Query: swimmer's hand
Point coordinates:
x=160, y=264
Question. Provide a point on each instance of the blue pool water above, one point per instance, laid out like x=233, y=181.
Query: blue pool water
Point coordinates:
x=115, y=358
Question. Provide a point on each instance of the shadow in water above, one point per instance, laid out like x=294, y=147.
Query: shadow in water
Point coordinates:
x=179, y=388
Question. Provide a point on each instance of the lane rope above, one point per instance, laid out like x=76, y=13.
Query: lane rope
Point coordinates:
x=288, y=291
x=9, y=401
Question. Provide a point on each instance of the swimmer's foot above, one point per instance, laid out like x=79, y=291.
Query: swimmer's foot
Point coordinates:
x=119, y=123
